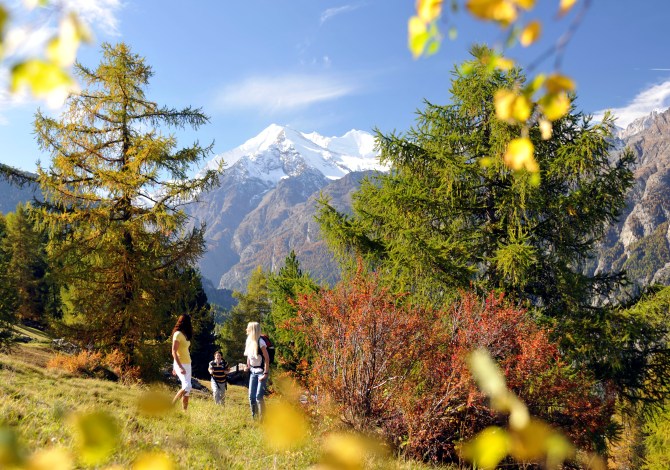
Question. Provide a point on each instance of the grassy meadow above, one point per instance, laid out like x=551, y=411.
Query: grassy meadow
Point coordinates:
x=41, y=406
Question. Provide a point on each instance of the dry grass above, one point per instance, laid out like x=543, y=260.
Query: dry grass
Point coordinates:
x=40, y=404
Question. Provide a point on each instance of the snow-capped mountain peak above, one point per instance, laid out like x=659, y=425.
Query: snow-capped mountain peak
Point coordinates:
x=278, y=152
x=638, y=125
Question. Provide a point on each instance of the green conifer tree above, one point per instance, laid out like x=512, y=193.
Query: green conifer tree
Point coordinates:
x=284, y=288
x=114, y=197
x=8, y=297
x=27, y=268
x=254, y=305
x=451, y=215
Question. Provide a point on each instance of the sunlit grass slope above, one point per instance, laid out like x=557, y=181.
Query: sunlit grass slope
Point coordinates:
x=40, y=404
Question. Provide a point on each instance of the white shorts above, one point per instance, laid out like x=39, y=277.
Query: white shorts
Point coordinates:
x=184, y=378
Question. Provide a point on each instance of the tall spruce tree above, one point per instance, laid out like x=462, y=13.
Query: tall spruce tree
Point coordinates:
x=450, y=214
x=114, y=197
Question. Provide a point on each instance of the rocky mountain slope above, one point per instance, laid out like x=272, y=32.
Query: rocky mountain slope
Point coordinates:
x=14, y=188
x=265, y=204
x=640, y=242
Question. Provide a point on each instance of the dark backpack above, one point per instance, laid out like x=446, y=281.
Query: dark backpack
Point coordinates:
x=270, y=348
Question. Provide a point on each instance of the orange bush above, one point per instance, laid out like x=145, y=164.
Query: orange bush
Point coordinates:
x=119, y=363
x=83, y=363
x=448, y=406
x=94, y=364
x=365, y=344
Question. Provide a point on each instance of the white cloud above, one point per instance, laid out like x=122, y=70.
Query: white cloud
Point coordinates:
x=272, y=94
x=331, y=12
x=8, y=101
x=655, y=98
x=24, y=41
x=31, y=29
x=98, y=14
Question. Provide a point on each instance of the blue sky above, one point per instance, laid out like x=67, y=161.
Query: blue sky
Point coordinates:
x=330, y=66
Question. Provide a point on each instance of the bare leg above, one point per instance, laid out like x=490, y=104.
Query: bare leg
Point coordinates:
x=184, y=402
x=178, y=396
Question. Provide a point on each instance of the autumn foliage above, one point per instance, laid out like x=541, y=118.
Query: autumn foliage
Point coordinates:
x=366, y=344
x=96, y=364
x=399, y=368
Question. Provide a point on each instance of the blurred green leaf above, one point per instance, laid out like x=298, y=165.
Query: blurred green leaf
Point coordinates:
x=433, y=48
x=96, y=435
x=10, y=451
x=452, y=33
x=40, y=76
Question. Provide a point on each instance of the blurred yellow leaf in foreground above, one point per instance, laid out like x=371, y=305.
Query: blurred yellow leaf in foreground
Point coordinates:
x=565, y=6
x=530, y=33
x=488, y=448
x=284, y=425
x=344, y=451
x=555, y=106
x=153, y=461
x=44, y=79
x=429, y=10
x=512, y=107
x=501, y=11
x=50, y=459
x=519, y=155
x=154, y=403
x=556, y=83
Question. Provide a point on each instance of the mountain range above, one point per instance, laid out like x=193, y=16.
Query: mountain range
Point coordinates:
x=15, y=188
x=265, y=204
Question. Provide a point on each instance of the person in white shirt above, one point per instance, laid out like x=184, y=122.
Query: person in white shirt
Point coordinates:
x=258, y=365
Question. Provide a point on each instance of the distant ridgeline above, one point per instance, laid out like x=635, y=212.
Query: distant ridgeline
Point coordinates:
x=16, y=186
x=640, y=242
x=265, y=205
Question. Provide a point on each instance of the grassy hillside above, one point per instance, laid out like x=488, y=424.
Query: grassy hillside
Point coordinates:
x=42, y=404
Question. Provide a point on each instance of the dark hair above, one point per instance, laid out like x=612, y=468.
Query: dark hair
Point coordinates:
x=184, y=325
x=218, y=352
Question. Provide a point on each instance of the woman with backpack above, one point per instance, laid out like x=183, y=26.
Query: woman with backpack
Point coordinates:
x=181, y=341
x=258, y=365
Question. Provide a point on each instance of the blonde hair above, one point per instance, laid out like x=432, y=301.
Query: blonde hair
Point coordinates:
x=253, y=333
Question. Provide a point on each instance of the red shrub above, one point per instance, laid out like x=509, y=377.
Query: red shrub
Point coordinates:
x=449, y=408
x=365, y=345
x=401, y=369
